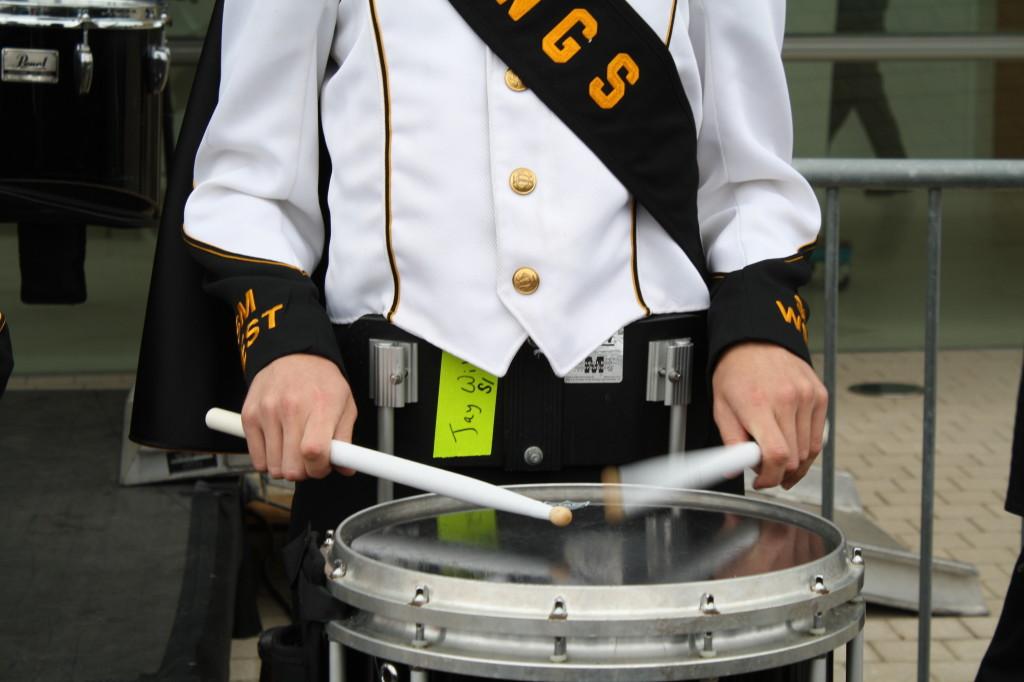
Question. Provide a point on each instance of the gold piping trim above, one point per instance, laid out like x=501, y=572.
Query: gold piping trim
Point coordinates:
x=633, y=265
x=671, y=23
x=3, y=322
x=793, y=260
x=387, y=159
x=212, y=250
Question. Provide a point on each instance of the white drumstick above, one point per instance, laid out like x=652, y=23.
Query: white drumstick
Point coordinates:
x=696, y=469
x=416, y=475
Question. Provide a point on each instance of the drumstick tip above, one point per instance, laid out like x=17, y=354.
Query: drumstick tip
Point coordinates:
x=560, y=516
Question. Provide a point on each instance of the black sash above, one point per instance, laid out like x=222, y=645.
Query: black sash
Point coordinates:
x=609, y=77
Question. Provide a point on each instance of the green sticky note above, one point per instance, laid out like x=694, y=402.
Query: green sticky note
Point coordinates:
x=466, y=396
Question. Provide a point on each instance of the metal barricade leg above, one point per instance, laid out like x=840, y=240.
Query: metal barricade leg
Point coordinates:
x=931, y=349
x=828, y=459
x=336, y=662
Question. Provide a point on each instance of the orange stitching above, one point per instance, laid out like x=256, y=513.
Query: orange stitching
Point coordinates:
x=230, y=256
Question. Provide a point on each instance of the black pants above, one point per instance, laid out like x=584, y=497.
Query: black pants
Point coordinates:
x=1004, y=660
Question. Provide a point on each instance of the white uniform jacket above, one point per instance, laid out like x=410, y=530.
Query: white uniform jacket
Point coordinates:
x=449, y=177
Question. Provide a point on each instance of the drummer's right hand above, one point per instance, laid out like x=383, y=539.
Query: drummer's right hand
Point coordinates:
x=294, y=407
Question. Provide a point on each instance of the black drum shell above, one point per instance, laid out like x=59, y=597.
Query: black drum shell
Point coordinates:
x=94, y=156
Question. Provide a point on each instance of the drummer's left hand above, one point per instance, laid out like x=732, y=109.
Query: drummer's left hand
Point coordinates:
x=764, y=392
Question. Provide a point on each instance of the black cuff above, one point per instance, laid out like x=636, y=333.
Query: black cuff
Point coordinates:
x=760, y=303
x=277, y=308
x=277, y=316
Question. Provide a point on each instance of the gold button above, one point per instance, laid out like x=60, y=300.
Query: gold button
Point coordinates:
x=526, y=281
x=522, y=180
x=513, y=81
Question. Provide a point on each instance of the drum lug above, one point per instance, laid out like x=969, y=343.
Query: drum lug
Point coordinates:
x=708, y=650
x=422, y=596
x=328, y=539
x=818, y=625
x=707, y=605
x=419, y=640
x=83, y=57
x=339, y=570
x=160, y=59
x=818, y=586
x=559, y=612
x=159, y=68
x=857, y=558
x=559, y=655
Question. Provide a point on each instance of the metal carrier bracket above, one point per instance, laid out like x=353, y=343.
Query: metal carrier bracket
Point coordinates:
x=669, y=364
x=393, y=383
x=668, y=371
x=393, y=369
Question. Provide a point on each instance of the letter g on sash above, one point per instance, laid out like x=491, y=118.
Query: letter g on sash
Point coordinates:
x=559, y=45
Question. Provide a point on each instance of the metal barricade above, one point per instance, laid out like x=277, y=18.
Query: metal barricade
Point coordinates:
x=935, y=176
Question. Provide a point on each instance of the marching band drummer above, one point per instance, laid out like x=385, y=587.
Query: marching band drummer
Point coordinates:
x=508, y=183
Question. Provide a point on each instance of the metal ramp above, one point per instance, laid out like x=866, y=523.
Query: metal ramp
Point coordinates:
x=891, y=578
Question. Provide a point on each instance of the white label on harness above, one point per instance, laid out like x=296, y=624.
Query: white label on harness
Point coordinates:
x=603, y=366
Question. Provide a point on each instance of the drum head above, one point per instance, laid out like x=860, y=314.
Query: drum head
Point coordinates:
x=669, y=543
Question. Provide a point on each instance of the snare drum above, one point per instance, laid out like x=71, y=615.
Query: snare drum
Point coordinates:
x=80, y=110
x=700, y=585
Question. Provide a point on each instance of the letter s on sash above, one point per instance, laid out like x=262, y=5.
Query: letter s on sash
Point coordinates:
x=608, y=100
x=519, y=8
x=558, y=45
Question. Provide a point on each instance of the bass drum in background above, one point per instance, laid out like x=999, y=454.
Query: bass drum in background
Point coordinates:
x=80, y=110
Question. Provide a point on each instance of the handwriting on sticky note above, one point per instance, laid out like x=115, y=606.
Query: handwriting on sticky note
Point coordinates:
x=466, y=399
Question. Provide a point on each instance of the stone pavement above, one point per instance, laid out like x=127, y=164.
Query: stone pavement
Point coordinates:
x=879, y=442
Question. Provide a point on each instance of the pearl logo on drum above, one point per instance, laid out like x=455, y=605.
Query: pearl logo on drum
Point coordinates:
x=29, y=66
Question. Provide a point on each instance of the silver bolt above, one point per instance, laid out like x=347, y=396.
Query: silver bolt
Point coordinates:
x=858, y=557
x=396, y=379
x=340, y=569
x=818, y=626
x=420, y=639
x=388, y=673
x=708, y=651
x=819, y=585
x=559, y=612
x=707, y=604
x=559, y=655
x=533, y=455
x=422, y=596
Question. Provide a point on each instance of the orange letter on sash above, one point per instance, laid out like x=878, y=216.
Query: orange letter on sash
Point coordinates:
x=561, y=47
x=519, y=8
x=607, y=100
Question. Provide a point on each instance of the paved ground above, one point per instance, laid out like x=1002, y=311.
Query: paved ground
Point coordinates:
x=879, y=442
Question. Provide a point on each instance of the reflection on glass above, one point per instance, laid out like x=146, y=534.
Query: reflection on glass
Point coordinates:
x=663, y=545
